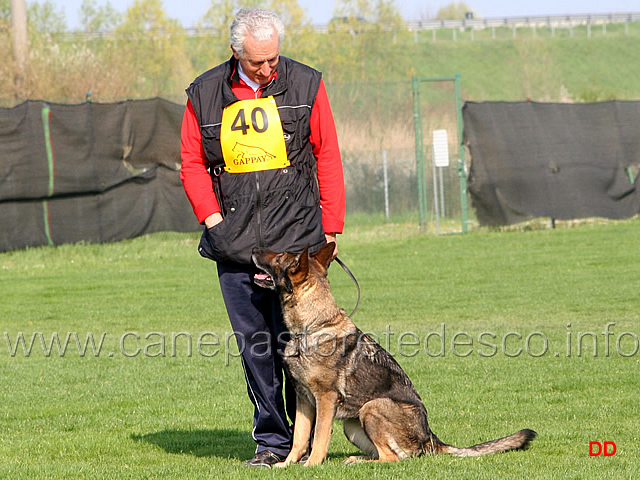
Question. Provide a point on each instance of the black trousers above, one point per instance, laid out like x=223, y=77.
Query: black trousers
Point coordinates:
x=256, y=319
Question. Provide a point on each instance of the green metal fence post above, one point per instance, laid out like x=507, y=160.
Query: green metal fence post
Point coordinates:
x=420, y=168
x=461, y=157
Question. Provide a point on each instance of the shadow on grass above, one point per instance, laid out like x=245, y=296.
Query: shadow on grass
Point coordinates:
x=202, y=443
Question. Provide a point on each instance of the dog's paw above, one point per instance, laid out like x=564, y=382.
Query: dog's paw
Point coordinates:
x=354, y=459
x=280, y=465
x=312, y=462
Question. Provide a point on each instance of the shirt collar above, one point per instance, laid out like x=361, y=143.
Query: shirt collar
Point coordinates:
x=243, y=76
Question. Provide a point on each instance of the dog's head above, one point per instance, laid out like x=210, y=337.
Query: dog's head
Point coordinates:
x=284, y=272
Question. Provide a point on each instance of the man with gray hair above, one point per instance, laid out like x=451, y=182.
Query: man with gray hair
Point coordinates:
x=261, y=167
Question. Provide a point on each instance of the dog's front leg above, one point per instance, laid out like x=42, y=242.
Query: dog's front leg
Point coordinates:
x=305, y=415
x=325, y=411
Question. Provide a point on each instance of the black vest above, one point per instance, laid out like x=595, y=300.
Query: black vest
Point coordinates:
x=277, y=209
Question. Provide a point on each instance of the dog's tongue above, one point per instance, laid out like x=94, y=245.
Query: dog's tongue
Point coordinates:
x=261, y=277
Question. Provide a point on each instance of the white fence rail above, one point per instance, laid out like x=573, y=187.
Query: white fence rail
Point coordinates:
x=560, y=21
x=551, y=21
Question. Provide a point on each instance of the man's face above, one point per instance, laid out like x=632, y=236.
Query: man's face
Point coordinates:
x=260, y=59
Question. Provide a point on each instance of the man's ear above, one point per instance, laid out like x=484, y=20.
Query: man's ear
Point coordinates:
x=235, y=54
x=325, y=255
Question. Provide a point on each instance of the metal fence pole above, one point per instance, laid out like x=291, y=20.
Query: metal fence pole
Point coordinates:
x=420, y=169
x=386, y=184
x=436, y=205
x=462, y=174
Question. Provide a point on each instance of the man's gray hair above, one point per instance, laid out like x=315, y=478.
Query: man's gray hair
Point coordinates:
x=259, y=23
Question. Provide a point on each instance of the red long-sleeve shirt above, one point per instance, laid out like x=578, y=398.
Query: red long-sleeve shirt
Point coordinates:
x=324, y=140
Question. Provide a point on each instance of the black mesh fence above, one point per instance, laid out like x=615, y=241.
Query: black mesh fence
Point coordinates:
x=90, y=172
x=99, y=172
x=557, y=160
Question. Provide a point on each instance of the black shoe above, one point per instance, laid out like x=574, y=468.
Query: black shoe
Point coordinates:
x=264, y=459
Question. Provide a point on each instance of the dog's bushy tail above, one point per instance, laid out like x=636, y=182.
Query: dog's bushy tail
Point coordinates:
x=518, y=441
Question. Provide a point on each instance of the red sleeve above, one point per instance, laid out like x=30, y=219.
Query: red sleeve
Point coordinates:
x=194, y=174
x=324, y=140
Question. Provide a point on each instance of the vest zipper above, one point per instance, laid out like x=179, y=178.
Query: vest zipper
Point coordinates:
x=259, y=238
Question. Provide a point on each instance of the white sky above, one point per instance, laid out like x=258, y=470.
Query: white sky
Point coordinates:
x=188, y=12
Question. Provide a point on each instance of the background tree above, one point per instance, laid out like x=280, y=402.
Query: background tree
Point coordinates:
x=371, y=24
x=5, y=13
x=7, y=62
x=379, y=13
x=455, y=11
x=363, y=40
x=153, y=49
x=44, y=21
x=44, y=17
x=221, y=13
x=291, y=13
x=212, y=50
x=98, y=18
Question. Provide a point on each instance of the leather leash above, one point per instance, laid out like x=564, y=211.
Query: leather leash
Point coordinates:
x=353, y=277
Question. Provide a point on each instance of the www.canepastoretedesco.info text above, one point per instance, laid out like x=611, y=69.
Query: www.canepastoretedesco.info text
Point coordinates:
x=604, y=343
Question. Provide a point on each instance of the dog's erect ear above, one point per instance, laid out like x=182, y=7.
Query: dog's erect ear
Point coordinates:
x=298, y=266
x=302, y=261
x=325, y=255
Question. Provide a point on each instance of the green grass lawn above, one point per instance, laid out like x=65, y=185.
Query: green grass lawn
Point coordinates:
x=498, y=331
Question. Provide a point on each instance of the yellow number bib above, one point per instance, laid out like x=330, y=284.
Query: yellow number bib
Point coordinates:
x=251, y=136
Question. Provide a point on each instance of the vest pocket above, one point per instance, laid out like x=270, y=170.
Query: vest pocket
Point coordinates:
x=232, y=239
x=291, y=137
x=295, y=126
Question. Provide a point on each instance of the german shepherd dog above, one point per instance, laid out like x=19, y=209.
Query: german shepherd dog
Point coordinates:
x=338, y=371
